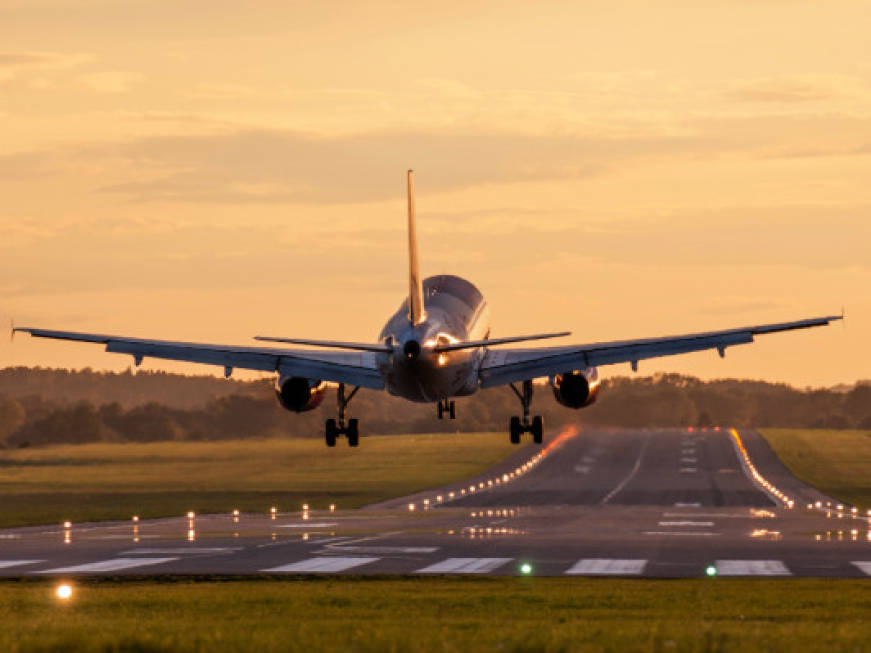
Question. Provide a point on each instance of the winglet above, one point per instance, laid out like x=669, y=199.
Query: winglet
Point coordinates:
x=415, y=283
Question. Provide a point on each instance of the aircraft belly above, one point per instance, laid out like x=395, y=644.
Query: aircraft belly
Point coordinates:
x=427, y=383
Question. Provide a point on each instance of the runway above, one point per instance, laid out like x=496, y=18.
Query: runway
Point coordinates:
x=633, y=503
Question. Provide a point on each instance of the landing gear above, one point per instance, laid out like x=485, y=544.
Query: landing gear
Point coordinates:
x=448, y=407
x=518, y=426
x=335, y=429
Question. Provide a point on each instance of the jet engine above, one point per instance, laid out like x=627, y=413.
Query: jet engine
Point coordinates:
x=298, y=394
x=576, y=389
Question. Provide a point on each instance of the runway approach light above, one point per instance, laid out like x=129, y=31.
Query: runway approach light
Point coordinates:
x=711, y=571
x=526, y=569
x=64, y=592
x=191, y=514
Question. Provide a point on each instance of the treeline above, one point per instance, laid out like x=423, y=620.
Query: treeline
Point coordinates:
x=157, y=406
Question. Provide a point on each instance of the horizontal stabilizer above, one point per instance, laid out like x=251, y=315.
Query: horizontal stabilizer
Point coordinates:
x=472, y=344
x=355, y=346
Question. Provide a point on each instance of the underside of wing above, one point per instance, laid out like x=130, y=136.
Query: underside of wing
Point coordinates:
x=511, y=365
x=352, y=368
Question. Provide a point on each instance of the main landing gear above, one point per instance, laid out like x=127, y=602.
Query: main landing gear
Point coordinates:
x=448, y=407
x=518, y=426
x=352, y=429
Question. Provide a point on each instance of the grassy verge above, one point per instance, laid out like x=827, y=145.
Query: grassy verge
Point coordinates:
x=837, y=463
x=115, y=481
x=439, y=614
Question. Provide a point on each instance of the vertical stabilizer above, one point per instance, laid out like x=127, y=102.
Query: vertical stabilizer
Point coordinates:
x=415, y=283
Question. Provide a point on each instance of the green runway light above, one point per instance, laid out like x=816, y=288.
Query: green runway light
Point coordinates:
x=526, y=569
x=711, y=570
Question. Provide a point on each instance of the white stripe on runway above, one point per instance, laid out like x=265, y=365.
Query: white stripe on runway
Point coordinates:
x=181, y=551
x=607, y=567
x=5, y=564
x=326, y=564
x=115, y=564
x=864, y=567
x=751, y=568
x=686, y=523
x=464, y=566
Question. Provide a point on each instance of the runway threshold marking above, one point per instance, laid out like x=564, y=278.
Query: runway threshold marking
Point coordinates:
x=464, y=566
x=325, y=564
x=115, y=564
x=5, y=564
x=607, y=567
x=751, y=568
x=382, y=550
x=864, y=567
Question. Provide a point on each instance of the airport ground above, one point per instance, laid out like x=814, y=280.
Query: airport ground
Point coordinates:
x=578, y=545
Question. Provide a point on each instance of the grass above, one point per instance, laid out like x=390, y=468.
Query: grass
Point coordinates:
x=438, y=614
x=114, y=481
x=837, y=463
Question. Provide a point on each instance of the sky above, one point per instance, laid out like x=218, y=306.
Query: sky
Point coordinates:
x=212, y=171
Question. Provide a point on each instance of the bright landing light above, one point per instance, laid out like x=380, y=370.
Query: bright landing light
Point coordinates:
x=64, y=592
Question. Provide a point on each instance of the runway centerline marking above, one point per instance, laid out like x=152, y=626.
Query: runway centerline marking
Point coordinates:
x=325, y=564
x=607, y=567
x=864, y=567
x=751, y=568
x=464, y=566
x=5, y=564
x=114, y=564
x=632, y=474
x=694, y=504
x=681, y=533
x=685, y=523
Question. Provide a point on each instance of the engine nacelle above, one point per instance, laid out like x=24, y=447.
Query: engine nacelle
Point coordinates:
x=576, y=389
x=298, y=394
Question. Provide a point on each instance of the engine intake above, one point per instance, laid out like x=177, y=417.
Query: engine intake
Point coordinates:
x=298, y=394
x=576, y=389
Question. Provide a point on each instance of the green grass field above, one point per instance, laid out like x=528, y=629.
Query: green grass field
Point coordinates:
x=439, y=614
x=837, y=463
x=115, y=481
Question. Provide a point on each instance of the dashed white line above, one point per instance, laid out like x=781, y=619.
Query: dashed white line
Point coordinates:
x=751, y=568
x=320, y=565
x=464, y=566
x=115, y=564
x=607, y=567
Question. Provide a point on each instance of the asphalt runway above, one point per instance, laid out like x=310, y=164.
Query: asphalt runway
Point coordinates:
x=656, y=503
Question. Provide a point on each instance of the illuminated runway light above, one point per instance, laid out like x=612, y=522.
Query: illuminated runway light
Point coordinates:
x=191, y=514
x=192, y=535
x=410, y=507
x=426, y=502
x=304, y=507
x=440, y=498
x=68, y=525
x=136, y=519
x=505, y=477
x=64, y=592
x=481, y=485
x=450, y=495
x=67, y=537
x=711, y=571
x=332, y=507
x=526, y=569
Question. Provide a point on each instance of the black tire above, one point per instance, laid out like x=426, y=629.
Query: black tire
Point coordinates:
x=441, y=410
x=538, y=429
x=332, y=431
x=453, y=410
x=353, y=432
x=514, y=430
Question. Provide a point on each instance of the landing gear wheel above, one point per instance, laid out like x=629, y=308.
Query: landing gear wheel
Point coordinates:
x=332, y=432
x=452, y=410
x=514, y=430
x=353, y=432
x=441, y=410
x=538, y=429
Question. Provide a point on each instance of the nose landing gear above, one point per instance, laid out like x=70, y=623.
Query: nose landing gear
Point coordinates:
x=518, y=426
x=351, y=430
x=448, y=407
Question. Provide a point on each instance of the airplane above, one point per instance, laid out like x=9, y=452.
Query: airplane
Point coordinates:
x=437, y=346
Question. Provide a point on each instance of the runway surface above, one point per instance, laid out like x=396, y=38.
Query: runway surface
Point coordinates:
x=656, y=503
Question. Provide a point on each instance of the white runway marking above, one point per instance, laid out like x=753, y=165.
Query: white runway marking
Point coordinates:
x=181, y=551
x=464, y=566
x=694, y=504
x=688, y=470
x=320, y=565
x=607, y=567
x=582, y=469
x=686, y=523
x=382, y=550
x=308, y=525
x=689, y=459
x=864, y=567
x=5, y=564
x=681, y=533
x=632, y=474
x=751, y=568
x=115, y=564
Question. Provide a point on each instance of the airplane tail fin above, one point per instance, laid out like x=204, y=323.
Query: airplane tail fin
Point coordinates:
x=415, y=283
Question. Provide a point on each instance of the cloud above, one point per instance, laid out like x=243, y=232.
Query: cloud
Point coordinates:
x=14, y=64
x=805, y=88
x=221, y=91
x=111, y=81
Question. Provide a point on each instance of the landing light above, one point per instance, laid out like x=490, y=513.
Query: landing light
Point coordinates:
x=711, y=571
x=64, y=592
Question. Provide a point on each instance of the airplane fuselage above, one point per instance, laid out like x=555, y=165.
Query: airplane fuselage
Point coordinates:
x=454, y=311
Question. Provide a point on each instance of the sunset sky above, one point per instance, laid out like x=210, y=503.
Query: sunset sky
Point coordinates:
x=214, y=170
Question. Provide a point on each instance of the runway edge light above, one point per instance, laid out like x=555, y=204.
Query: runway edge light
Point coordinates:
x=711, y=571
x=526, y=569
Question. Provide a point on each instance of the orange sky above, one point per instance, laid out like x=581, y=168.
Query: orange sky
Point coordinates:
x=205, y=170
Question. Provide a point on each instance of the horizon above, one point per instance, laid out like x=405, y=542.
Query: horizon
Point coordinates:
x=193, y=173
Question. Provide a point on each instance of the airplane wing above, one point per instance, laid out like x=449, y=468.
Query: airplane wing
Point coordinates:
x=352, y=368
x=505, y=366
